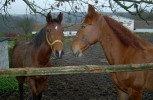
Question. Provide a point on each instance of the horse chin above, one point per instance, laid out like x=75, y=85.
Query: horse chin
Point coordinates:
x=80, y=54
x=77, y=53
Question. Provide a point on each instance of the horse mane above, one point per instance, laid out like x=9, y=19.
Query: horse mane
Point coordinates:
x=127, y=37
x=41, y=35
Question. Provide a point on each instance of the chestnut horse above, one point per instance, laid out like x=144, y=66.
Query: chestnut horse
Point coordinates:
x=121, y=46
x=37, y=54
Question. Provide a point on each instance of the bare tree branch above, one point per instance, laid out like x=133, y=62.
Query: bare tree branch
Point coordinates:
x=138, y=11
x=77, y=6
x=140, y=1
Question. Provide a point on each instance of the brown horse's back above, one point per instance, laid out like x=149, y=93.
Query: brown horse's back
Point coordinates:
x=21, y=53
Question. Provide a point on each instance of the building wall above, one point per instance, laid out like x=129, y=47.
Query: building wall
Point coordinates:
x=144, y=30
x=4, y=61
x=70, y=33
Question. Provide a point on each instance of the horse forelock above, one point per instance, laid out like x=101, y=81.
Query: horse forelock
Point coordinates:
x=126, y=36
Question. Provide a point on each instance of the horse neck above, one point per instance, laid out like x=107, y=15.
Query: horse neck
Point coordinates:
x=43, y=53
x=114, y=50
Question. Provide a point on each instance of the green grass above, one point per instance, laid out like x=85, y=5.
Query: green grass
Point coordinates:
x=67, y=39
x=1, y=35
x=11, y=42
x=8, y=84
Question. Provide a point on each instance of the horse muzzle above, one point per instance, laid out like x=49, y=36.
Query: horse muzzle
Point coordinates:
x=59, y=54
x=77, y=53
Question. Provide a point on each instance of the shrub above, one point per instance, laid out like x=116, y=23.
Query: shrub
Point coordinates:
x=8, y=84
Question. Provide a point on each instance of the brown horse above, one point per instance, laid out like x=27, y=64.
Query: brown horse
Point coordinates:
x=37, y=54
x=121, y=46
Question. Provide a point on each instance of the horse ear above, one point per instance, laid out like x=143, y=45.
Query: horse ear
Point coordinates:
x=60, y=17
x=49, y=18
x=91, y=10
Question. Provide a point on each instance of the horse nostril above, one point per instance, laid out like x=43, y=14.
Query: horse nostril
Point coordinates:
x=77, y=53
x=62, y=53
x=57, y=53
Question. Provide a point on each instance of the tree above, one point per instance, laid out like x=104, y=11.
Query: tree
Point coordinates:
x=26, y=24
x=134, y=7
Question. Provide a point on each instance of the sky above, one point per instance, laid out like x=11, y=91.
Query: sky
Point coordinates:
x=19, y=7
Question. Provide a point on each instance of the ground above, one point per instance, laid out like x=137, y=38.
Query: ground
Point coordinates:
x=79, y=86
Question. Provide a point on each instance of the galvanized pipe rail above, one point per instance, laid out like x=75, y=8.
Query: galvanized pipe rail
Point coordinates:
x=74, y=69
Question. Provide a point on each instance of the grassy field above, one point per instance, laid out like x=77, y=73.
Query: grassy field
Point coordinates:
x=12, y=42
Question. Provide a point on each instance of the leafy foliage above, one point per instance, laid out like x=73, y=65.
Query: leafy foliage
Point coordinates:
x=8, y=84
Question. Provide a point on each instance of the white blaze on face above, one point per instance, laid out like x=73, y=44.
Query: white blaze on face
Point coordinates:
x=56, y=27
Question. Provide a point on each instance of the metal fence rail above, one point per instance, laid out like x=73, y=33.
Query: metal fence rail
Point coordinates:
x=74, y=69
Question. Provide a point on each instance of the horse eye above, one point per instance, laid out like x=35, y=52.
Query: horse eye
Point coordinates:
x=82, y=27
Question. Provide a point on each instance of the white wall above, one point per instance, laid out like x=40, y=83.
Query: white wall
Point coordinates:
x=70, y=33
x=144, y=30
x=34, y=32
x=4, y=60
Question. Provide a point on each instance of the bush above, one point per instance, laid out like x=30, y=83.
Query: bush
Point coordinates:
x=8, y=84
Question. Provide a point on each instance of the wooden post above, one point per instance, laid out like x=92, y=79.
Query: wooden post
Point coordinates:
x=74, y=69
